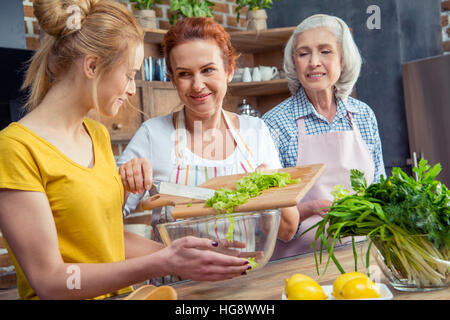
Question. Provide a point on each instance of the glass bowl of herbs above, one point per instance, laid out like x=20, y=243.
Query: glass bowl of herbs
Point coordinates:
x=406, y=221
x=412, y=262
x=245, y=234
x=251, y=235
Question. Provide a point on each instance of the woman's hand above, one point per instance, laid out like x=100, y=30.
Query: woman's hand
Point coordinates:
x=313, y=207
x=137, y=175
x=197, y=259
x=228, y=247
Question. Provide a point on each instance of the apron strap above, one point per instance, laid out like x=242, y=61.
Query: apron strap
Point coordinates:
x=301, y=125
x=245, y=150
x=354, y=126
x=180, y=136
x=180, y=143
x=350, y=119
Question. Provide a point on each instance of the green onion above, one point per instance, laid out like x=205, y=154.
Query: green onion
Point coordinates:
x=406, y=219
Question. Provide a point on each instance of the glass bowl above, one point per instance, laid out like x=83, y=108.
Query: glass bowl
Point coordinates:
x=256, y=230
x=412, y=263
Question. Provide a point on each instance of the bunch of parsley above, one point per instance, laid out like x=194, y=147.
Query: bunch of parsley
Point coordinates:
x=419, y=206
x=407, y=218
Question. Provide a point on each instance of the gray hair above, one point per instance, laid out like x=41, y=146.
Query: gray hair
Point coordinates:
x=350, y=57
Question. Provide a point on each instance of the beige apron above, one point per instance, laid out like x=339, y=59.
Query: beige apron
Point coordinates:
x=340, y=151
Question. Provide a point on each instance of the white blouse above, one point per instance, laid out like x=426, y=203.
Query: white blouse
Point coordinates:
x=156, y=138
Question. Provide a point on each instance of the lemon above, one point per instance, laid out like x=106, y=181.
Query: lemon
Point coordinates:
x=298, y=277
x=360, y=288
x=306, y=290
x=342, y=280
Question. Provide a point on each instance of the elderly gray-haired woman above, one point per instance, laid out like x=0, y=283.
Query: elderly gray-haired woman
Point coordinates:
x=320, y=123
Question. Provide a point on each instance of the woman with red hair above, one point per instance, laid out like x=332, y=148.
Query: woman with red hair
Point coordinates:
x=202, y=140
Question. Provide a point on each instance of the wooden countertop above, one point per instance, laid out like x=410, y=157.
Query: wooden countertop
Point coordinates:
x=268, y=283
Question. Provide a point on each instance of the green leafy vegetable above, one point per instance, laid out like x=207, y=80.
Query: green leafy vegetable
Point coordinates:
x=407, y=219
x=145, y=4
x=225, y=200
x=252, y=5
x=248, y=187
x=252, y=262
x=189, y=8
x=358, y=181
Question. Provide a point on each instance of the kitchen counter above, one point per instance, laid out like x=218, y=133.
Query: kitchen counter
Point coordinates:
x=268, y=283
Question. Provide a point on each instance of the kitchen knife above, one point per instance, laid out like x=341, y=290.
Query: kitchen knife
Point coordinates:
x=182, y=190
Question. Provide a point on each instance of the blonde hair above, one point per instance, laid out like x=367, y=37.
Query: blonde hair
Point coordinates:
x=350, y=56
x=104, y=28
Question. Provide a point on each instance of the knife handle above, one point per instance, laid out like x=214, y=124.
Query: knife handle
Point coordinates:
x=156, y=201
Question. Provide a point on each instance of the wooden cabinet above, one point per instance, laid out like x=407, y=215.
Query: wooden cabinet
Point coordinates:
x=125, y=124
x=426, y=84
x=156, y=98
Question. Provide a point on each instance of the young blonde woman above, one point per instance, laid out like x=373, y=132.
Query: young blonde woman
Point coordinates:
x=61, y=196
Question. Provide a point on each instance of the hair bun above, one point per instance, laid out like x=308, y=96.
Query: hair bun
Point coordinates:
x=61, y=17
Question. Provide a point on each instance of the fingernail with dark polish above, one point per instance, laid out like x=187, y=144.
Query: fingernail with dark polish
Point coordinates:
x=244, y=273
x=214, y=243
x=246, y=262
x=249, y=267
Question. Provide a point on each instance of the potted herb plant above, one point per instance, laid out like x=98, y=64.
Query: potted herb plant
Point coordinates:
x=145, y=13
x=189, y=8
x=256, y=15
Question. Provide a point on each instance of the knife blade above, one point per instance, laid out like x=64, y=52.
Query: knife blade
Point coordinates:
x=182, y=190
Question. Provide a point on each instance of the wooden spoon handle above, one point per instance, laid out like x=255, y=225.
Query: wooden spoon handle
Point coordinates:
x=161, y=200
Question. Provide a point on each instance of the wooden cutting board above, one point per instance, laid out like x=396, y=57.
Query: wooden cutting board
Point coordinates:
x=269, y=199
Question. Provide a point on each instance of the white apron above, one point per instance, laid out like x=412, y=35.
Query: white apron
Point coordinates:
x=185, y=172
x=193, y=175
x=340, y=151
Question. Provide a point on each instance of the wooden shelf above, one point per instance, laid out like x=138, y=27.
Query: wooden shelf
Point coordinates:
x=252, y=41
x=252, y=89
x=154, y=36
x=243, y=41
x=260, y=88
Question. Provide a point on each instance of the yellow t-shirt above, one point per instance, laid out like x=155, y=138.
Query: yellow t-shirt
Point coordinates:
x=86, y=202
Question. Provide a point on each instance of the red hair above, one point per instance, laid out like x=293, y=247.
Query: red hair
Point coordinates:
x=199, y=28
